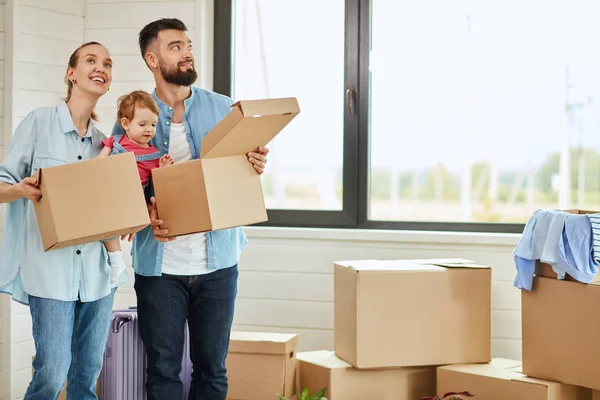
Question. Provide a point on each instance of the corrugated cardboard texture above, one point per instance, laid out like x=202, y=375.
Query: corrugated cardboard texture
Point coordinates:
x=181, y=200
x=561, y=321
x=235, y=192
x=411, y=315
x=494, y=381
x=261, y=365
x=222, y=189
x=320, y=369
x=76, y=209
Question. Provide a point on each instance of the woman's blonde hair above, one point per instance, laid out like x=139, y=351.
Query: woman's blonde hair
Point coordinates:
x=73, y=60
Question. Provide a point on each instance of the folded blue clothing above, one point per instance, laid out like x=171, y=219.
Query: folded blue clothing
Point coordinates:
x=558, y=238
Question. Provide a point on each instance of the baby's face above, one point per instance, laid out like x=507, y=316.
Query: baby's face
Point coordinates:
x=142, y=127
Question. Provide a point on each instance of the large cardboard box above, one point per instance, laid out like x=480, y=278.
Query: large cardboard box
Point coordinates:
x=412, y=312
x=261, y=365
x=322, y=368
x=501, y=379
x=221, y=189
x=90, y=200
x=561, y=321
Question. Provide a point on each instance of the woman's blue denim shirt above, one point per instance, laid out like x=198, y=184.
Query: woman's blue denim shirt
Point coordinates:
x=45, y=138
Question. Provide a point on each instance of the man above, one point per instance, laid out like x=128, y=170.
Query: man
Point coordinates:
x=193, y=278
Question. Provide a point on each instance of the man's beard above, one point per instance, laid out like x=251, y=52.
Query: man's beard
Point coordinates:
x=176, y=76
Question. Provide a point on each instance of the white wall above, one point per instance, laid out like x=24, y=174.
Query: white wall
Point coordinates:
x=117, y=28
x=46, y=33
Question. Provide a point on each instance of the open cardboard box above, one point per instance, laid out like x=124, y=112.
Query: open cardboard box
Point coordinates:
x=91, y=200
x=545, y=269
x=221, y=189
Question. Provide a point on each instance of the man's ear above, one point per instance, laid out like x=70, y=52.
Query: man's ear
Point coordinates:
x=151, y=59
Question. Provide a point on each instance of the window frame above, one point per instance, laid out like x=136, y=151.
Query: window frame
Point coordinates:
x=355, y=186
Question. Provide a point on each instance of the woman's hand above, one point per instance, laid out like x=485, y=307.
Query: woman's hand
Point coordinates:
x=28, y=189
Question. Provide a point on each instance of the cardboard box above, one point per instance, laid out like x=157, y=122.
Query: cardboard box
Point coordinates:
x=544, y=269
x=261, y=365
x=90, y=200
x=561, y=321
x=501, y=379
x=322, y=368
x=596, y=395
x=221, y=189
x=412, y=312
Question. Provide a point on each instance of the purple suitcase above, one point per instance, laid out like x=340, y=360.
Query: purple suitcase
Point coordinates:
x=123, y=375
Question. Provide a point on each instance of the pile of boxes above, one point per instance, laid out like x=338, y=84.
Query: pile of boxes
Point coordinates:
x=412, y=329
x=561, y=321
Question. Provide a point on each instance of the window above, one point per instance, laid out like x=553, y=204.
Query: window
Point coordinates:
x=429, y=115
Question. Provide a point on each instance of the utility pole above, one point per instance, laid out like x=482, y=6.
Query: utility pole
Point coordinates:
x=564, y=190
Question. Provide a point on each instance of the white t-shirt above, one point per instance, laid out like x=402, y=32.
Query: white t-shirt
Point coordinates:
x=185, y=255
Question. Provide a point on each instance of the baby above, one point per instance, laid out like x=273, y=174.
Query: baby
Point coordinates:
x=138, y=115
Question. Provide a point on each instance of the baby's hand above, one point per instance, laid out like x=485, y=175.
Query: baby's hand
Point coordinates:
x=165, y=160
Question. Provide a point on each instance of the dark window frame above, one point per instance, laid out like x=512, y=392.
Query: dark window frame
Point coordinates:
x=354, y=213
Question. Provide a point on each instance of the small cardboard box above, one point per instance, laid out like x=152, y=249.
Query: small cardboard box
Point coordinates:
x=322, y=368
x=261, y=365
x=412, y=312
x=221, y=189
x=561, y=321
x=501, y=379
x=90, y=200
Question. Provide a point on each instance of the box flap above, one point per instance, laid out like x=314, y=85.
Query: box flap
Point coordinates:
x=578, y=211
x=248, y=125
x=262, y=342
x=408, y=265
x=256, y=108
x=323, y=358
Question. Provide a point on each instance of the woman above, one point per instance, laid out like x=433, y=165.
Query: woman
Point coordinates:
x=67, y=290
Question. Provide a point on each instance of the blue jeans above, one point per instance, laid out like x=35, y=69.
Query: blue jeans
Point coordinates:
x=207, y=303
x=70, y=338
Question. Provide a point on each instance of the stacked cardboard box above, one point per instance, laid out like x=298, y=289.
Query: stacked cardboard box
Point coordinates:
x=560, y=326
x=408, y=329
x=559, y=332
x=395, y=322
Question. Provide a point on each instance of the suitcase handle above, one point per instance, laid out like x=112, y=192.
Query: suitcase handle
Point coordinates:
x=119, y=320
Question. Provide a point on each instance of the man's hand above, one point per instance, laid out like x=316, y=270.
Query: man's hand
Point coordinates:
x=28, y=189
x=165, y=160
x=258, y=159
x=155, y=222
